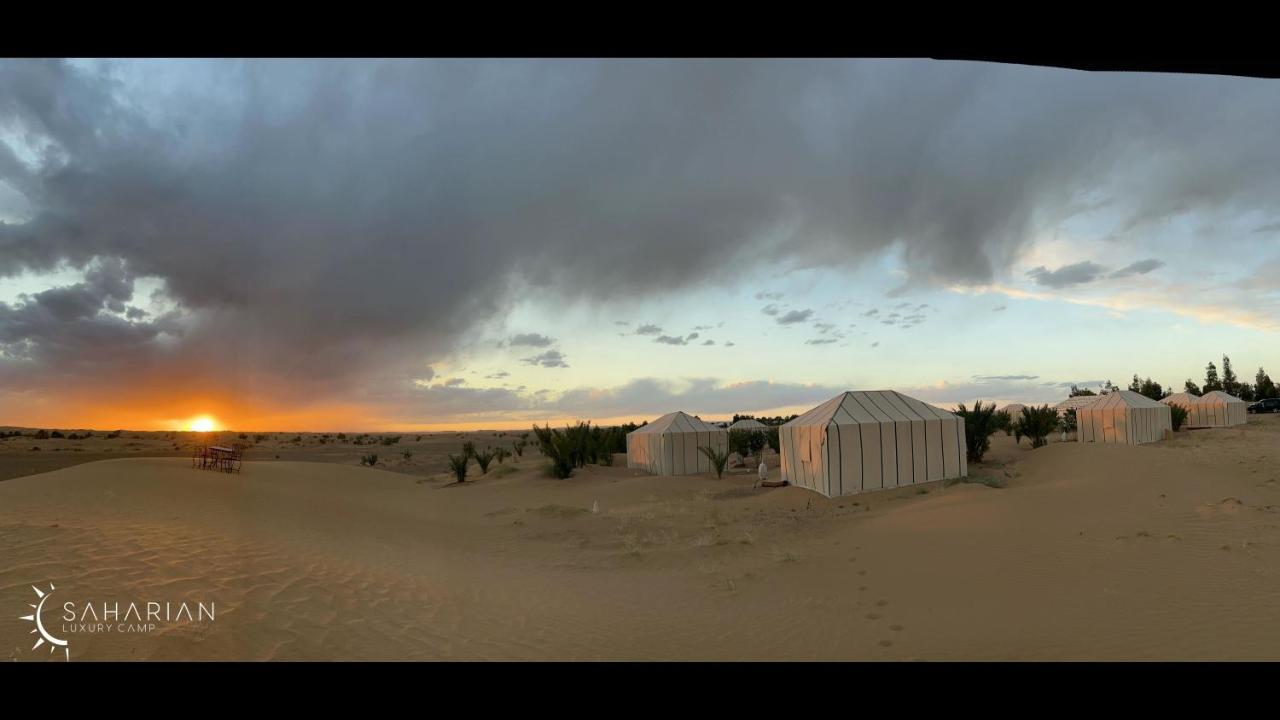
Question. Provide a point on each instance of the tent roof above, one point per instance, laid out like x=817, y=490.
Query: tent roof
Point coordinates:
x=676, y=422
x=1182, y=398
x=748, y=424
x=1076, y=402
x=1218, y=396
x=1123, y=398
x=871, y=407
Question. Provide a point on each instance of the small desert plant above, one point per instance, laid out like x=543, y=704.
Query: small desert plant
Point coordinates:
x=718, y=458
x=1178, y=415
x=42, y=435
x=1004, y=421
x=560, y=448
x=371, y=459
x=114, y=435
x=1068, y=422
x=519, y=447
x=980, y=424
x=469, y=449
x=57, y=434
x=483, y=459
x=390, y=440
x=417, y=438
x=458, y=466
x=501, y=454
x=1036, y=423
x=342, y=437
x=406, y=455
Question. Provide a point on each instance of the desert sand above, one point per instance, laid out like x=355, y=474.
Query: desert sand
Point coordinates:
x=1164, y=551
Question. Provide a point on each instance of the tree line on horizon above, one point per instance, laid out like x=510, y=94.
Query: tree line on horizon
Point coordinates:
x=1261, y=388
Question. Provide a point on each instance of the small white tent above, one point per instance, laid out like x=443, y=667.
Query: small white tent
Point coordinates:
x=1197, y=416
x=1124, y=417
x=1014, y=410
x=1074, y=403
x=1224, y=410
x=749, y=425
x=860, y=441
x=669, y=445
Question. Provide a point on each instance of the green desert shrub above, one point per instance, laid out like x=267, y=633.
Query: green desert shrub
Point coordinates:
x=406, y=455
x=980, y=424
x=501, y=454
x=469, y=449
x=458, y=466
x=1067, y=423
x=559, y=447
x=371, y=459
x=519, y=446
x=1178, y=415
x=771, y=436
x=1004, y=421
x=391, y=440
x=1035, y=424
x=719, y=459
x=483, y=459
x=42, y=435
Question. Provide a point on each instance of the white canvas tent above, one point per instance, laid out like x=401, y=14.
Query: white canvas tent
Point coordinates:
x=1124, y=417
x=1224, y=410
x=1197, y=412
x=669, y=445
x=1014, y=410
x=749, y=425
x=860, y=441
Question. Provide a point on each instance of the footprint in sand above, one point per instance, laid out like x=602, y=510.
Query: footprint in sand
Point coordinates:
x=897, y=628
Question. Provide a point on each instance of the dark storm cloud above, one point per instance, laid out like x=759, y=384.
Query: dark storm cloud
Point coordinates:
x=359, y=218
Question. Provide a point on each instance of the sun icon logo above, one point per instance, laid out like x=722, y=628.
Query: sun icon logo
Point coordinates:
x=45, y=635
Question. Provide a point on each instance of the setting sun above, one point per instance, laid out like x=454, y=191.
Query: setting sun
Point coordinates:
x=204, y=423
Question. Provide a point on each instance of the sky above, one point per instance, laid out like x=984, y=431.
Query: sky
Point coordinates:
x=414, y=245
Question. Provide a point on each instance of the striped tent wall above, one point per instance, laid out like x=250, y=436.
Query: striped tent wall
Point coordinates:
x=1199, y=415
x=864, y=441
x=1123, y=417
x=1224, y=410
x=669, y=445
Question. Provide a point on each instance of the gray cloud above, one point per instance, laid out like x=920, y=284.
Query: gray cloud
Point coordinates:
x=532, y=340
x=1067, y=275
x=1141, y=267
x=550, y=358
x=278, y=200
x=671, y=340
x=820, y=341
x=648, y=330
x=794, y=316
x=762, y=295
x=1001, y=308
x=993, y=378
x=770, y=309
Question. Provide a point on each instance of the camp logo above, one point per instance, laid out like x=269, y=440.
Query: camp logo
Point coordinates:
x=36, y=618
x=108, y=617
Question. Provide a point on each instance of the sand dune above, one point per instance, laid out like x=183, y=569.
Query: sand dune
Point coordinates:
x=1160, y=551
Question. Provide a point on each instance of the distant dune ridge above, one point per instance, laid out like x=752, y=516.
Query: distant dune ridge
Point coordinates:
x=1076, y=557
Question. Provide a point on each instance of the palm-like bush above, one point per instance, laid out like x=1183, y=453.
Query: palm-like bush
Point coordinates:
x=458, y=466
x=501, y=454
x=370, y=459
x=468, y=449
x=1004, y=421
x=519, y=447
x=483, y=459
x=718, y=458
x=1036, y=423
x=980, y=424
x=1178, y=415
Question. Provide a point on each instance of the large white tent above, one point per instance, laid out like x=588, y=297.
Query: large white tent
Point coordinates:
x=859, y=441
x=1197, y=416
x=1224, y=410
x=749, y=425
x=669, y=445
x=1125, y=417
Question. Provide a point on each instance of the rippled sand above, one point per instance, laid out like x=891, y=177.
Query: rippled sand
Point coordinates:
x=1166, y=551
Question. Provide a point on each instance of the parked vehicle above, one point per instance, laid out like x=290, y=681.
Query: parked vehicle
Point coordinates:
x=1269, y=405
